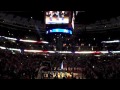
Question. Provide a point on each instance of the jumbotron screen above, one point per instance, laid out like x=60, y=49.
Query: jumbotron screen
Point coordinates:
x=57, y=17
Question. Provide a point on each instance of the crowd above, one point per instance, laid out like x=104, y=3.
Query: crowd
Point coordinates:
x=21, y=65
x=14, y=65
x=105, y=68
x=18, y=66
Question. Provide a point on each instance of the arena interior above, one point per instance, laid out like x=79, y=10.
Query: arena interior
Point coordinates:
x=59, y=45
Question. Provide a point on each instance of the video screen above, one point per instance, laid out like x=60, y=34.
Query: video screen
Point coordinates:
x=57, y=17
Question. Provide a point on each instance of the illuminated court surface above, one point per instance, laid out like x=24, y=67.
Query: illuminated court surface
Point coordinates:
x=60, y=75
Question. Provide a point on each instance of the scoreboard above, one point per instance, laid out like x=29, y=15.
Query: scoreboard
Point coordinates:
x=59, y=22
x=57, y=17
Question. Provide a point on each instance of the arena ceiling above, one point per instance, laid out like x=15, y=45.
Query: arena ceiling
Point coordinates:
x=83, y=17
x=92, y=10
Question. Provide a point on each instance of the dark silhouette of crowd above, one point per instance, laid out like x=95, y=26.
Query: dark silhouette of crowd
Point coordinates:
x=18, y=66
x=15, y=65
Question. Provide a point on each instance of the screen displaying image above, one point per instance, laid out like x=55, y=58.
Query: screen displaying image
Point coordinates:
x=57, y=17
